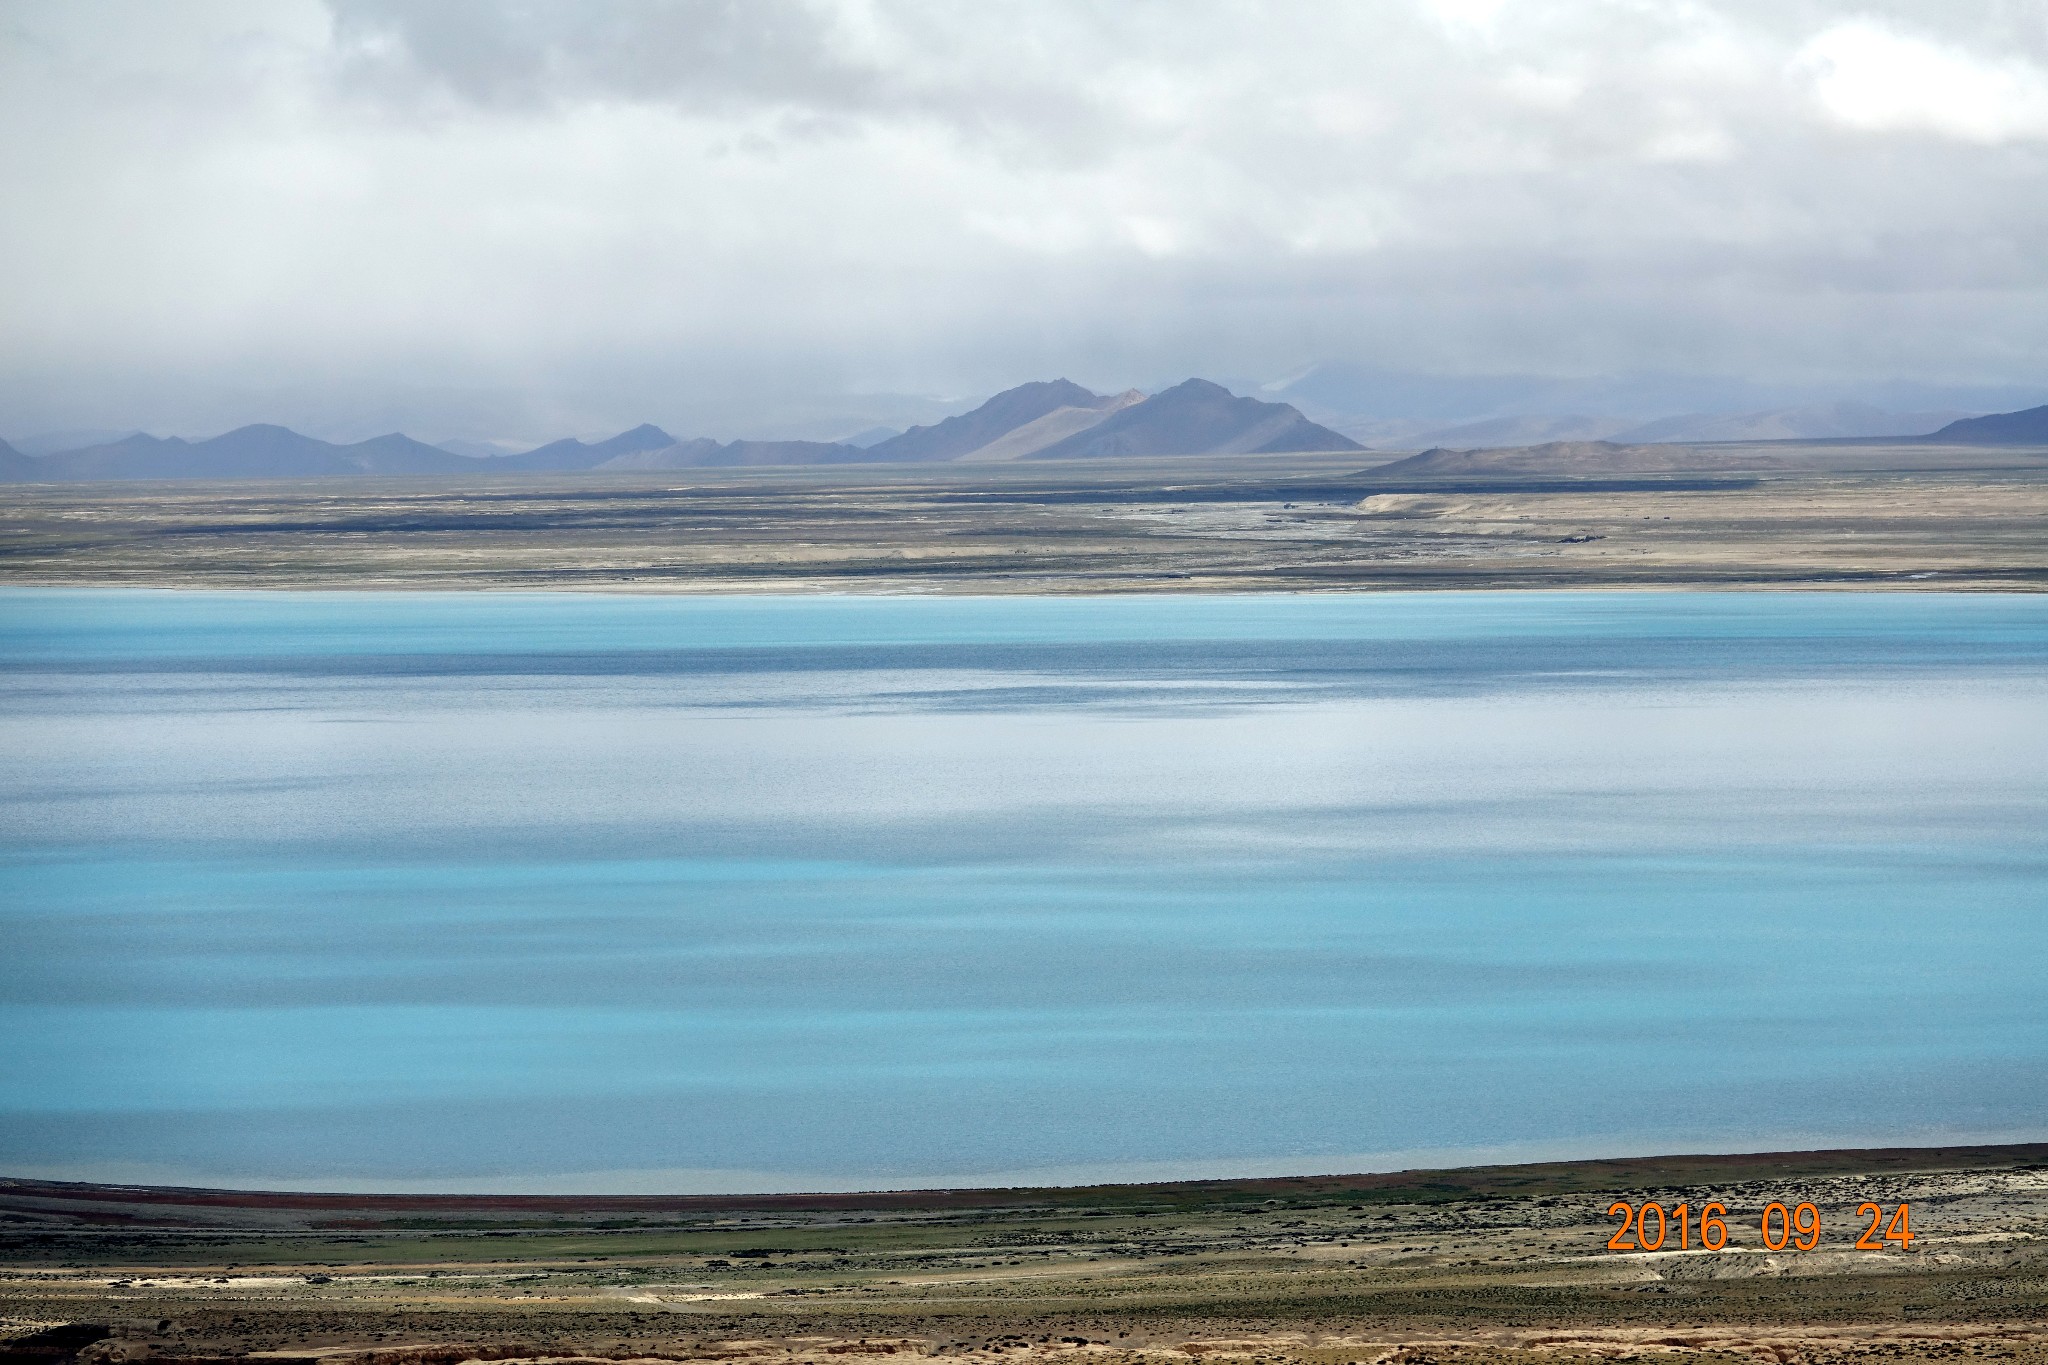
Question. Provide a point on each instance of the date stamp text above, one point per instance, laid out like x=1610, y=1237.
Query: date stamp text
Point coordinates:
x=1650, y=1227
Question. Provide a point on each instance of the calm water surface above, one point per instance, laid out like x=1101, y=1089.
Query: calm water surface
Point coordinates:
x=539, y=891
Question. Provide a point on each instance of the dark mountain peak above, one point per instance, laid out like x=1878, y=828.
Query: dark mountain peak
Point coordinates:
x=1202, y=389
x=141, y=440
x=1000, y=415
x=646, y=436
x=1037, y=392
x=259, y=440
x=397, y=453
x=2027, y=427
x=1198, y=417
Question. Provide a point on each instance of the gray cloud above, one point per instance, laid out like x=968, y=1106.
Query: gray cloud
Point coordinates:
x=727, y=216
x=700, y=55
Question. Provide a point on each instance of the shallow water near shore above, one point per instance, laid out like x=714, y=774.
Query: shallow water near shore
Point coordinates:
x=454, y=890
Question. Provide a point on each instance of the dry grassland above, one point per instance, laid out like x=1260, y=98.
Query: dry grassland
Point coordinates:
x=1493, y=1266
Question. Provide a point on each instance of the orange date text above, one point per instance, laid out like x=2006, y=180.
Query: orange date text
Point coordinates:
x=1651, y=1227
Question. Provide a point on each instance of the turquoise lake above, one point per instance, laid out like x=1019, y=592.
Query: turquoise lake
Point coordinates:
x=552, y=891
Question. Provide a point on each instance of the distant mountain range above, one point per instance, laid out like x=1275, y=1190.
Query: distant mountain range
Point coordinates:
x=51, y=442
x=1051, y=420
x=1816, y=422
x=1576, y=458
x=1819, y=421
x=570, y=453
x=253, y=452
x=1375, y=404
x=1563, y=459
x=1048, y=420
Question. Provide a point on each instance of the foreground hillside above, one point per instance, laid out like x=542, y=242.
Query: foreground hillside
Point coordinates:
x=1494, y=1264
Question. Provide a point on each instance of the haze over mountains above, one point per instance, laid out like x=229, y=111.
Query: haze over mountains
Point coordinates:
x=1809, y=422
x=1414, y=410
x=1576, y=458
x=1564, y=459
x=1048, y=420
x=251, y=452
x=1043, y=420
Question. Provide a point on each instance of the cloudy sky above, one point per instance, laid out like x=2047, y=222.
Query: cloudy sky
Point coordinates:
x=759, y=216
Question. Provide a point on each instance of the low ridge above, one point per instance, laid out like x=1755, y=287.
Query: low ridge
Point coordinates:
x=2027, y=427
x=1570, y=459
x=705, y=453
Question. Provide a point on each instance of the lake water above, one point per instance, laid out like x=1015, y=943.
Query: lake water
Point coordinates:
x=475, y=891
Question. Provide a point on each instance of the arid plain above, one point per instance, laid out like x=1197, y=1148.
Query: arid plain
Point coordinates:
x=1772, y=515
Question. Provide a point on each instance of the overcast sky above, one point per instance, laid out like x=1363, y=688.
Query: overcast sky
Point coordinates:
x=735, y=216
